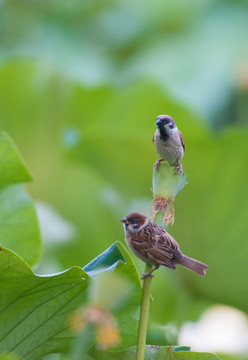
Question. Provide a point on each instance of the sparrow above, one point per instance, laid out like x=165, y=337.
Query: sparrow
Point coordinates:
x=169, y=142
x=155, y=246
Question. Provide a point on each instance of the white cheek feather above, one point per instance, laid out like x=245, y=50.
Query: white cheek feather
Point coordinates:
x=174, y=131
x=131, y=230
x=174, y=135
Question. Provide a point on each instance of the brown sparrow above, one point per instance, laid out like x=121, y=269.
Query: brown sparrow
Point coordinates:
x=155, y=246
x=169, y=142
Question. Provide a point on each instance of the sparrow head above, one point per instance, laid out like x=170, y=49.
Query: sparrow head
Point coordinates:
x=165, y=124
x=134, y=222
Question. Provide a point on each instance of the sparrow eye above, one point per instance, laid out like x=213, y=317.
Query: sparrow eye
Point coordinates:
x=132, y=221
x=166, y=121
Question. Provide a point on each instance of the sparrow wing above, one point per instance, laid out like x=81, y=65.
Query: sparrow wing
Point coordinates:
x=182, y=140
x=164, y=247
x=156, y=244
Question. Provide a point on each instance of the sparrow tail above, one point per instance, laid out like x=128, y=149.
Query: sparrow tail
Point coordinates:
x=193, y=265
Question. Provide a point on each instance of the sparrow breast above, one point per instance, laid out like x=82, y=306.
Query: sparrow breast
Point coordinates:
x=171, y=148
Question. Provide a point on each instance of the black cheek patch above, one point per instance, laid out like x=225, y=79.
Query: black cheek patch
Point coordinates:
x=136, y=226
x=163, y=135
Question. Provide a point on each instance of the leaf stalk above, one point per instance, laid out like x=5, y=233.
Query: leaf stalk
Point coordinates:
x=144, y=314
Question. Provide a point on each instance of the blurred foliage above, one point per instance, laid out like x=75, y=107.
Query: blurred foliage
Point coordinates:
x=19, y=226
x=9, y=357
x=35, y=317
x=81, y=84
x=155, y=353
x=233, y=357
x=12, y=166
x=197, y=50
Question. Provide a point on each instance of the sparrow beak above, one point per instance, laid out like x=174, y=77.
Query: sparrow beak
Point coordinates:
x=158, y=122
x=124, y=220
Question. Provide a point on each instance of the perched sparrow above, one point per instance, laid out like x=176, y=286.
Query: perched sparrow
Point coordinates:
x=169, y=142
x=153, y=245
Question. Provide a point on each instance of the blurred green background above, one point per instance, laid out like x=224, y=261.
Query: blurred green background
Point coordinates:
x=81, y=84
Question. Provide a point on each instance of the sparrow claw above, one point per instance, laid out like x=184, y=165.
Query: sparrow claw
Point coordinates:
x=157, y=163
x=179, y=168
x=144, y=276
x=149, y=273
x=155, y=347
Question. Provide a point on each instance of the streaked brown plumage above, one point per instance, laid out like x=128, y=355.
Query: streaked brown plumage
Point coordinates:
x=155, y=246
